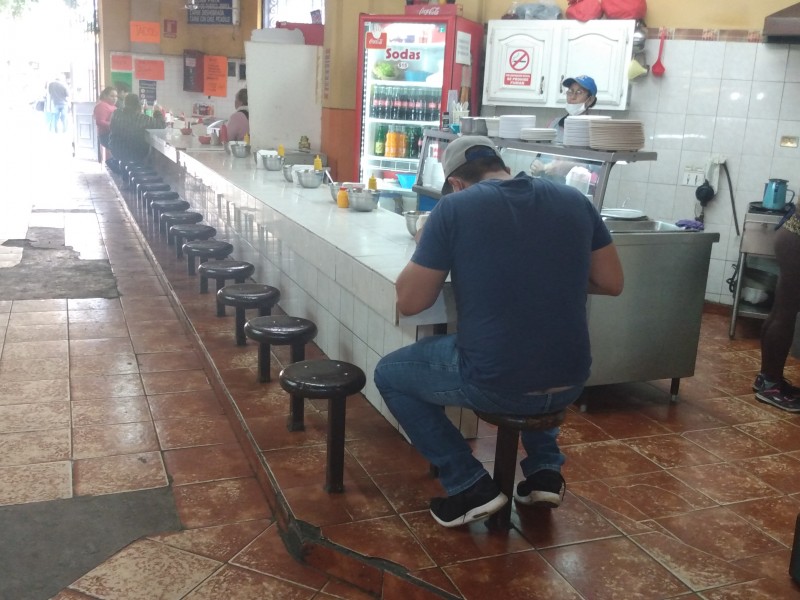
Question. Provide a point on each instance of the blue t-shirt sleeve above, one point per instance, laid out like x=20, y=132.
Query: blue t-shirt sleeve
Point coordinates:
x=433, y=247
x=601, y=236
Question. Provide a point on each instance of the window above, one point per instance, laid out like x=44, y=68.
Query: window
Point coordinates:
x=294, y=11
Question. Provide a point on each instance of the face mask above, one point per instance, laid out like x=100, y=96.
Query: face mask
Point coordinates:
x=575, y=109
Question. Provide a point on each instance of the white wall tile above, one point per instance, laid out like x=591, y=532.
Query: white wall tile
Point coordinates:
x=765, y=100
x=787, y=128
x=679, y=57
x=734, y=98
x=703, y=96
x=790, y=107
x=729, y=135
x=644, y=94
x=708, y=61
x=759, y=136
x=771, y=62
x=740, y=58
x=698, y=132
x=669, y=131
x=665, y=169
x=674, y=95
x=659, y=201
x=793, y=64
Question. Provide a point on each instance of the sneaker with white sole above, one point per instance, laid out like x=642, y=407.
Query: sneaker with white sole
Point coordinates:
x=778, y=398
x=544, y=489
x=473, y=504
x=760, y=384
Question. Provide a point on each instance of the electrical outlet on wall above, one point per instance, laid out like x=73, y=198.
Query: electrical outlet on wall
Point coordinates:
x=692, y=176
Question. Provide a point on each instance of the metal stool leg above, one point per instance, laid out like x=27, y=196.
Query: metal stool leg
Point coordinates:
x=296, y=421
x=190, y=263
x=241, y=339
x=505, y=465
x=263, y=363
x=334, y=473
x=220, y=305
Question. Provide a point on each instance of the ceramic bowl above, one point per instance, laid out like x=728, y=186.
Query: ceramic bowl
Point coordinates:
x=204, y=139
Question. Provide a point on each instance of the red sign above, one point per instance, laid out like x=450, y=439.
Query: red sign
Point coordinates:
x=519, y=60
x=520, y=79
x=518, y=72
x=215, y=76
x=170, y=28
x=121, y=62
x=149, y=69
x=374, y=42
x=145, y=32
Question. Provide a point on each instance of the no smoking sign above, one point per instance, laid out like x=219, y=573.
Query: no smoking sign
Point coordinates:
x=518, y=70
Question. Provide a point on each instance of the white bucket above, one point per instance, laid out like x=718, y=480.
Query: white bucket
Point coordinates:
x=579, y=178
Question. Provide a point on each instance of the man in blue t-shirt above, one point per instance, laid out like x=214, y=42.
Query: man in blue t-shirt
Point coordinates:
x=522, y=254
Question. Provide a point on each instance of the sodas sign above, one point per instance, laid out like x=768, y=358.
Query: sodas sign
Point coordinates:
x=404, y=54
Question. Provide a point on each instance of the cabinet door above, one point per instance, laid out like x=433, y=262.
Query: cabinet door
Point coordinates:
x=517, y=63
x=600, y=49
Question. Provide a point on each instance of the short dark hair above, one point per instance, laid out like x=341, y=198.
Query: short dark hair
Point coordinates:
x=132, y=103
x=241, y=96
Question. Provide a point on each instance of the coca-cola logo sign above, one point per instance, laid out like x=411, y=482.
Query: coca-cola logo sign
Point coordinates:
x=375, y=42
x=430, y=11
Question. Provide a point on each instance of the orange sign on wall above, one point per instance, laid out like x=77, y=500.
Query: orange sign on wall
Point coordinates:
x=149, y=69
x=121, y=62
x=146, y=32
x=215, y=76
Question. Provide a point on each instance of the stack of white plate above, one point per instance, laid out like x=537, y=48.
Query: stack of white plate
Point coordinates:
x=576, y=129
x=510, y=125
x=617, y=134
x=537, y=134
x=492, y=126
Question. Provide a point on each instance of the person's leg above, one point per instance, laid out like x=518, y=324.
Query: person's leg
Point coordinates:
x=541, y=447
x=416, y=382
x=777, y=333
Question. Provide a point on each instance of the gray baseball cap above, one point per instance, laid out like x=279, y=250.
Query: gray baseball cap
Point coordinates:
x=463, y=150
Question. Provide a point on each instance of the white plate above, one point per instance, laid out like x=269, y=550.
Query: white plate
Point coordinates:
x=623, y=214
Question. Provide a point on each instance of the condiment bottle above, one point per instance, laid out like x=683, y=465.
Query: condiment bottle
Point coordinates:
x=317, y=163
x=281, y=150
x=247, y=139
x=342, y=200
x=372, y=184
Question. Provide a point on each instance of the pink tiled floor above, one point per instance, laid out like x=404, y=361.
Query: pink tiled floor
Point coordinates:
x=690, y=500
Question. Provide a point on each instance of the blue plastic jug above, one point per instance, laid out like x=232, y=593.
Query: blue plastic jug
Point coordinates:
x=775, y=194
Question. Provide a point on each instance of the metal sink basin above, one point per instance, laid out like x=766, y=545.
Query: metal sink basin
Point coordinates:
x=617, y=226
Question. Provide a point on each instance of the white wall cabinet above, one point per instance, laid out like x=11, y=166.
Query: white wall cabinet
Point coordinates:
x=526, y=61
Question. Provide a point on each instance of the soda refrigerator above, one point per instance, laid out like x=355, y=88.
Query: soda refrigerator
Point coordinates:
x=409, y=66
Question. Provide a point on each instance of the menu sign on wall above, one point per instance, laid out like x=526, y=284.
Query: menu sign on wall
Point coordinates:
x=211, y=12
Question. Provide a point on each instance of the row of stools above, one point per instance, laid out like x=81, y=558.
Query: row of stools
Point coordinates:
x=332, y=380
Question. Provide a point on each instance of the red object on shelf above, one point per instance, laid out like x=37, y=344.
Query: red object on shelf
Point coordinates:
x=313, y=33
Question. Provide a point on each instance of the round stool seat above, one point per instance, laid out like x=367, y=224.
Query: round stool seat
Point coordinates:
x=248, y=295
x=171, y=204
x=522, y=422
x=280, y=330
x=144, y=177
x=322, y=378
x=151, y=197
x=177, y=217
x=189, y=232
x=226, y=269
x=205, y=249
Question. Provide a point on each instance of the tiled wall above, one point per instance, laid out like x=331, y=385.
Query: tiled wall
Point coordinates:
x=735, y=99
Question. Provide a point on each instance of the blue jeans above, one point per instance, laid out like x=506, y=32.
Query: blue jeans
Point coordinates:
x=418, y=381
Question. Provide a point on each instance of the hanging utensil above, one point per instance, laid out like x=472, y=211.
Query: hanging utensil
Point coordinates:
x=657, y=67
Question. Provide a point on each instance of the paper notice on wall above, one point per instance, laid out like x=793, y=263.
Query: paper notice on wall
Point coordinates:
x=146, y=32
x=518, y=69
x=463, y=44
x=121, y=62
x=215, y=76
x=149, y=69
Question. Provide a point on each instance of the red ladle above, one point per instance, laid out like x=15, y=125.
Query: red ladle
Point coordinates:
x=657, y=68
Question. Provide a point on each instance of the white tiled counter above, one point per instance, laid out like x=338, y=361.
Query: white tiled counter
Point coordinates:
x=334, y=266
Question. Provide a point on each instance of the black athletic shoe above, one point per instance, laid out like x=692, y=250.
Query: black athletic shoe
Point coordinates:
x=544, y=489
x=784, y=385
x=473, y=504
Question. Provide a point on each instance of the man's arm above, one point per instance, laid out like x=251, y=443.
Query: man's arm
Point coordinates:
x=605, y=272
x=417, y=288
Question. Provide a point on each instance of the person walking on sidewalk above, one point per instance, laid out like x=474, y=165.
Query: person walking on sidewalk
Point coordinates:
x=777, y=333
x=522, y=254
x=57, y=104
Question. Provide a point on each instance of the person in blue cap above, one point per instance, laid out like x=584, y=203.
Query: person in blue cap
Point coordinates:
x=581, y=96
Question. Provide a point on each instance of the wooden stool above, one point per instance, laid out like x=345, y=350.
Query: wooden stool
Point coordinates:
x=177, y=217
x=220, y=271
x=282, y=330
x=205, y=249
x=181, y=233
x=333, y=380
x=505, y=453
x=248, y=295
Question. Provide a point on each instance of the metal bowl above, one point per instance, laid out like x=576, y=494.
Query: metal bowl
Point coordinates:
x=412, y=217
x=240, y=150
x=335, y=186
x=363, y=200
x=310, y=178
x=272, y=162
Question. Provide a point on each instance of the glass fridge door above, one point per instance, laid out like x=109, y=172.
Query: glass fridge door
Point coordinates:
x=402, y=87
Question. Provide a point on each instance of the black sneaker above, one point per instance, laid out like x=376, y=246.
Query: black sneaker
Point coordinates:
x=544, y=489
x=473, y=504
x=778, y=398
x=760, y=384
